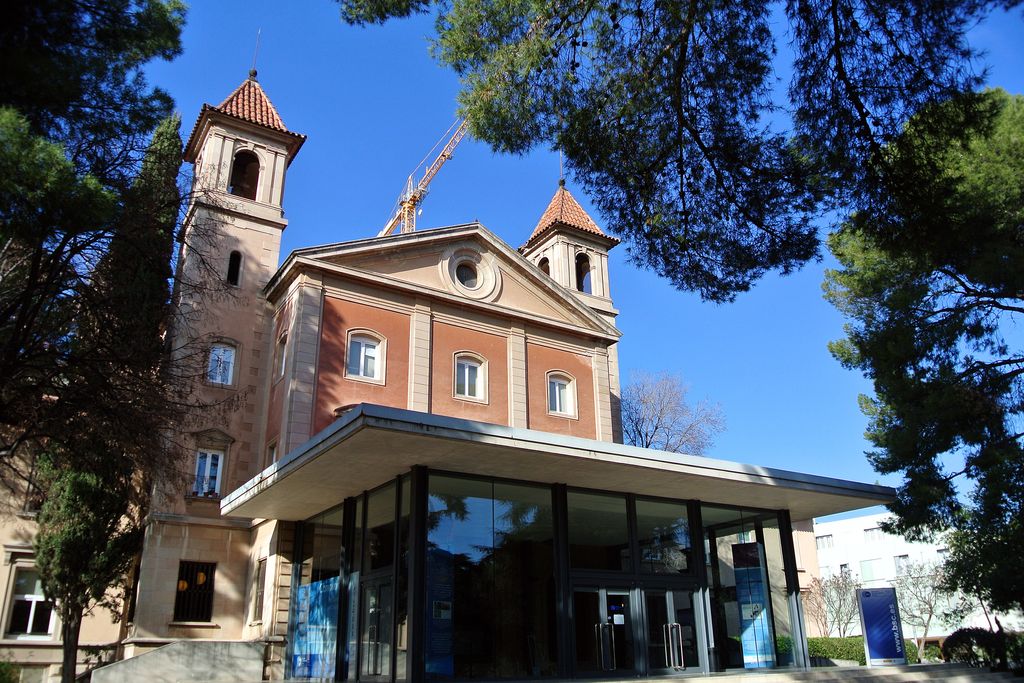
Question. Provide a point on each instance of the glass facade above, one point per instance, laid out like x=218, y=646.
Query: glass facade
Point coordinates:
x=749, y=596
x=492, y=579
x=489, y=580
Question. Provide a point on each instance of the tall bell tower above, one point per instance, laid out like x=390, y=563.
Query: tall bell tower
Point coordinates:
x=240, y=151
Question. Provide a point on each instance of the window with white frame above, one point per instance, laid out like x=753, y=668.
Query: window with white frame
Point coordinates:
x=823, y=542
x=365, y=357
x=32, y=615
x=221, y=366
x=874, y=535
x=901, y=562
x=280, y=356
x=871, y=569
x=209, y=465
x=561, y=394
x=470, y=377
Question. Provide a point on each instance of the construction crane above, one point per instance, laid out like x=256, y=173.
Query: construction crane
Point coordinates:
x=405, y=214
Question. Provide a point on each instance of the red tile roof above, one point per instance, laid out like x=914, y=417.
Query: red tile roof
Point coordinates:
x=565, y=211
x=249, y=103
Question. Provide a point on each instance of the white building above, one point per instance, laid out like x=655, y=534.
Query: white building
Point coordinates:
x=858, y=545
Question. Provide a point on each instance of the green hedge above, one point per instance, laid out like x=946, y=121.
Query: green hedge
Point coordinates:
x=981, y=647
x=851, y=649
x=9, y=673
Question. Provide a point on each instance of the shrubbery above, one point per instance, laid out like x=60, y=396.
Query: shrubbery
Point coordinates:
x=981, y=647
x=9, y=673
x=851, y=649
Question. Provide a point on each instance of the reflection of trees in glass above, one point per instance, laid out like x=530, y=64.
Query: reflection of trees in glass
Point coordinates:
x=503, y=587
x=667, y=548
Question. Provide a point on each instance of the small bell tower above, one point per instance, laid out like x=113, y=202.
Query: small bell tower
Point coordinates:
x=571, y=249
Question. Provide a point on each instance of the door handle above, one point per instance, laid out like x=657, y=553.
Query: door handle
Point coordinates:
x=604, y=634
x=674, y=644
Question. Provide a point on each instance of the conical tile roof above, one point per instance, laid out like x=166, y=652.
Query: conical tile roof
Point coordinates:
x=565, y=211
x=249, y=103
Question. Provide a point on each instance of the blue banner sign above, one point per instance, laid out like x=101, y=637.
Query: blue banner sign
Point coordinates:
x=880, y=624
x=752, y=600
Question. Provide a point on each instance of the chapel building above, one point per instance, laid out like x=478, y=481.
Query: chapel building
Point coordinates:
x=419, y=471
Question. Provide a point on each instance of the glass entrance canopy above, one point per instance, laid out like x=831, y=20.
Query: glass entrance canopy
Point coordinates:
x=435, y=549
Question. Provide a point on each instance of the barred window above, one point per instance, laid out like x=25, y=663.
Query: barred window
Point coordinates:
x=194, y=598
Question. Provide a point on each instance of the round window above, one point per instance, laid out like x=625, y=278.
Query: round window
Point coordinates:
x=466, y=272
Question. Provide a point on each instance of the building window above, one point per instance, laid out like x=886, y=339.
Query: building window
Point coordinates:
x=901, y=562
x=259, y=582
x=823, y=542
x=470, y=377
x=942, y=554
x=221, y=367
x=209, y=465
x=870, y=570
x=874, y=535
x=466, y=273
x=245, y=175
x=561, y=394
x=280, y=356
x=844, y=569
x=583, y=273
x=272, y=453
x=234, y=268
x=194, y=598
x=545, y=266
x=365, y=357
x=32, y=615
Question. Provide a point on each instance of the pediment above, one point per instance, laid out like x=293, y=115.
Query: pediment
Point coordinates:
x=437, y=262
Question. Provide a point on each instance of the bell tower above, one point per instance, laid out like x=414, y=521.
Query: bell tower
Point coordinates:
x=573, y=251
x=240, y=151
x=570, y=248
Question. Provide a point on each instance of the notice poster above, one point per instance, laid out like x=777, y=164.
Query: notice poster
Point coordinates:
x=315, y=631
x=752, y=598
x=440, y=660
x=880, y=624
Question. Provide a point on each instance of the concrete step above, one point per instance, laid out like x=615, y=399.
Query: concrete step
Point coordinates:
x=913, y=673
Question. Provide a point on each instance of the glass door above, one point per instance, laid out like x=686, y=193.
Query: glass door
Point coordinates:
x=671, y=631
x=376, y=640
x=604, y=631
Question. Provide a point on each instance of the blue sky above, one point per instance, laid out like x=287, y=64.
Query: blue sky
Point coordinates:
x=373, y=102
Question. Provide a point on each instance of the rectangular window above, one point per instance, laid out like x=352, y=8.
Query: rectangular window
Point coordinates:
x=32, y=614
x=194, y=598
x=280, y=356
x=823, y=542
x=870, y=570
x=560, y=395
x=258, y=589
x=362, y=358
x=468, y=378
x=222, y=362
x=874, y=535
x=208, y=468
x=901, y=562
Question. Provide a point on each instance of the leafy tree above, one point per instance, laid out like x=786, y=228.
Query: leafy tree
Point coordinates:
x=656, y=414
x=118, y=396
x=74, y=113
x=669, y=115
x=89, y=535
x=932, y=286
x=73, y=69
x=832, y=603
